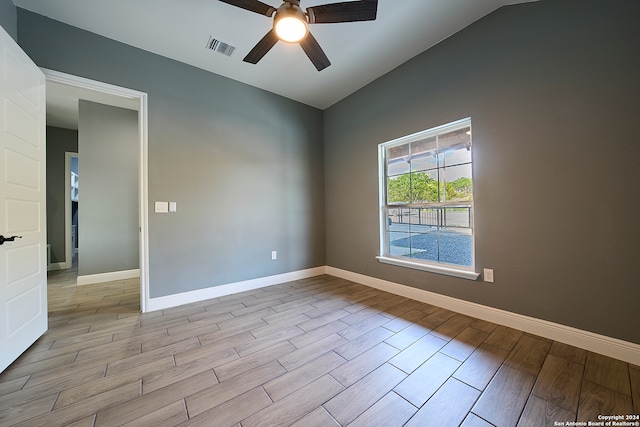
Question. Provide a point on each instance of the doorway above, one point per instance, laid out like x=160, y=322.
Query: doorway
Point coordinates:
x=66, y=91
x=72, y=187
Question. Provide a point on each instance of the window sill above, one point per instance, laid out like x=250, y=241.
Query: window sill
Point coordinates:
x=463, y=274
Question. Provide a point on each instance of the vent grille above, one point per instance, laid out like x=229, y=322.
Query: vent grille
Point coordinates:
x=220, y=46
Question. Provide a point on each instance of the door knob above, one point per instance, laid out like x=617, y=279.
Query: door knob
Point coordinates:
x=8, y=239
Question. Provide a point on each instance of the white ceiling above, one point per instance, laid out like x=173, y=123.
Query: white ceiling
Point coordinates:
x=359, y=52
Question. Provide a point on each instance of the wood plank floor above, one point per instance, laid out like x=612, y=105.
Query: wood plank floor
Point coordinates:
x=315, y=352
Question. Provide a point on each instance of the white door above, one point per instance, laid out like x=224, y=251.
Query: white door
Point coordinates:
x=23, y=272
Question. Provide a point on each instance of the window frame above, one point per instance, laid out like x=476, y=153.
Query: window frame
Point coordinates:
x=461, y=271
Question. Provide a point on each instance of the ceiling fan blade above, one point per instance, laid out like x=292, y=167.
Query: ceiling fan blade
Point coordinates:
x=252, y=6
x=350, y=11
x=261, y=49
x=315, y=53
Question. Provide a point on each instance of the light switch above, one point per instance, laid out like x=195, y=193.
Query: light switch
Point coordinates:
x=162, y=207
x=173, y=207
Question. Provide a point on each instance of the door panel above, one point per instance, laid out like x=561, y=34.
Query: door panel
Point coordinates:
x=22, y=216
x=22, y=171
x=21, y=125
x=23, y=309
x=23, y=262
x=23, y=272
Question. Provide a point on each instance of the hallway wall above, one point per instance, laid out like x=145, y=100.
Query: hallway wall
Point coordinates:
x=59, y=141
x=108, y=220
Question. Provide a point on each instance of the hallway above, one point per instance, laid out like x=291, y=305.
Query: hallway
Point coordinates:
x=66, y=300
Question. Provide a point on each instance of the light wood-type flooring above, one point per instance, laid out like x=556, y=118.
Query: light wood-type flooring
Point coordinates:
x=316, y=352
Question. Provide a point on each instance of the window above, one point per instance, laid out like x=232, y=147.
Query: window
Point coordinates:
x=426, y=198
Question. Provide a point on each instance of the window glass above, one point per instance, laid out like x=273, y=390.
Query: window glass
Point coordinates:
x=457, y=182
x=432, y=174
x=398, y=160
x=424, y=154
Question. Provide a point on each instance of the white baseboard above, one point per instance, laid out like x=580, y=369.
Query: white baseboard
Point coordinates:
x=108, y=277
x=231, y=288
x=612, y=347
x=54, y=266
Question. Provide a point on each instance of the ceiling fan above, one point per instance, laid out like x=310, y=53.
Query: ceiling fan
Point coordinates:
x=291, y=24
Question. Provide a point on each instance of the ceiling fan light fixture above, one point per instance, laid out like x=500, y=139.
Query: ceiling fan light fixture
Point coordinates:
x=290, y=24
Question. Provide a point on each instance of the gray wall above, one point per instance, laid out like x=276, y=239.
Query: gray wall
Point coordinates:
x=245, y=166
x=553, y=91
x=8, y=18
x=59, y=141
x=108, y=160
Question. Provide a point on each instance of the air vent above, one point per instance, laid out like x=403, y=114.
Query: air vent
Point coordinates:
x=220, y=46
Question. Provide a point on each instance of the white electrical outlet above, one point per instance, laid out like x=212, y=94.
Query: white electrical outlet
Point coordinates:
x=274, y=254
x=488, y=275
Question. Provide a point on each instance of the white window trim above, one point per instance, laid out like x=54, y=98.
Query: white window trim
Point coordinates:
x=438, y=268
x=431, y=268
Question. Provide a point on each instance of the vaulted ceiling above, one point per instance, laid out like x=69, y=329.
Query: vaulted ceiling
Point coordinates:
x=359, y=52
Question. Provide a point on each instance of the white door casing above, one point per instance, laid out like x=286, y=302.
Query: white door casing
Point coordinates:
x=139, y=99
x=23, y=271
